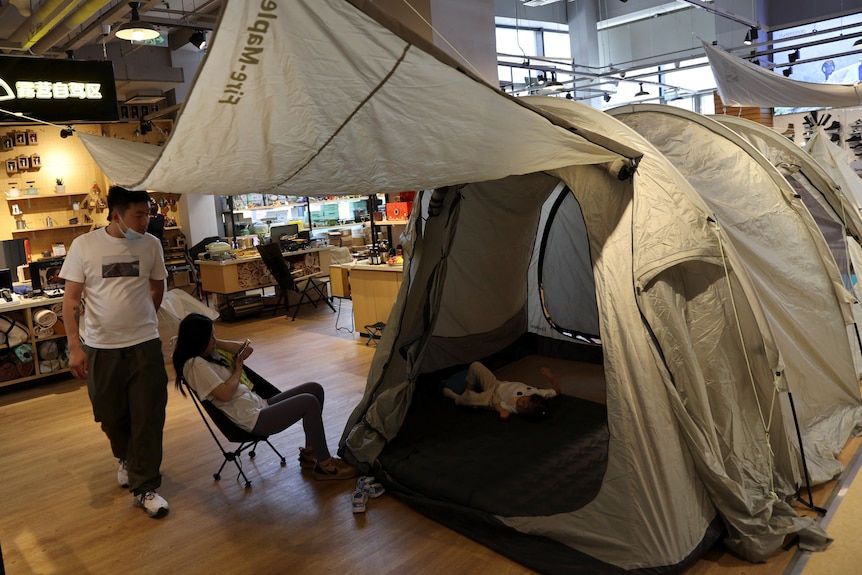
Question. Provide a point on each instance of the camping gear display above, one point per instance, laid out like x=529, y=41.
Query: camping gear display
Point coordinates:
x=43, y=322
x=12, y=333
x=218, y=248
x=612, y=263
x=601, y=249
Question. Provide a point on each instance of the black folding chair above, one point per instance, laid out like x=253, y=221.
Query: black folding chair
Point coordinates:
x=232, y=432
x=273, y=259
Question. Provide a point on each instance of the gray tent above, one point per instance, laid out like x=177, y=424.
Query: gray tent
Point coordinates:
x=696, y=418
x=795, y=274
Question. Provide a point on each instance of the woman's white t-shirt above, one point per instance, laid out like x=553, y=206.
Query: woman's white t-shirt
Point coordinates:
x=204, y=376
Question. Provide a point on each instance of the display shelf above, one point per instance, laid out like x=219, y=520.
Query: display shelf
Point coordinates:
x=21, y=312
x=24, y=196
x=17, y=232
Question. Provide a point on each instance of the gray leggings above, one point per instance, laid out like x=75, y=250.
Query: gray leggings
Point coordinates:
x=303, y=402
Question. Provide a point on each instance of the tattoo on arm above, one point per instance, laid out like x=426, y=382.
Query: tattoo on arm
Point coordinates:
x=78, y=311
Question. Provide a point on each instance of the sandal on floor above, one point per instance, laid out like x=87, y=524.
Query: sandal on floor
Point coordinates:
x=306, y=459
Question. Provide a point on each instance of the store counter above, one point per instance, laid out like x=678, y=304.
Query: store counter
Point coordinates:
x=249, y=272
x=373, y=289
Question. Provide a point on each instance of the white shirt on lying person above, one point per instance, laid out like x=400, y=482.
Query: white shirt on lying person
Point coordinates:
x=508, y=392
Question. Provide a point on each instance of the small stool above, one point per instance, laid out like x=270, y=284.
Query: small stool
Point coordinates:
x=374, y=331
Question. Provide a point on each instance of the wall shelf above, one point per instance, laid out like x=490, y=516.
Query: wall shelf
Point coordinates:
x=17, y=232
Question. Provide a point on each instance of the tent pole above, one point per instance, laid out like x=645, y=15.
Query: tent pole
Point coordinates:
x=810, y=502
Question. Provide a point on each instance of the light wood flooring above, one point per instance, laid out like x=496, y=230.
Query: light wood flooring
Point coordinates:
x=62, y=512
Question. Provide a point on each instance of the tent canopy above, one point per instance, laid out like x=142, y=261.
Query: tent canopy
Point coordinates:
x=317, y=97
x=741, y=83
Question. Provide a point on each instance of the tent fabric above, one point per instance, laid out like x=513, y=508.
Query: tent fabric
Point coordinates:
x=796, y=278
x=837, y=197
x=741, y=83
x=686, y=434
x=832, y=205
x=315, y=97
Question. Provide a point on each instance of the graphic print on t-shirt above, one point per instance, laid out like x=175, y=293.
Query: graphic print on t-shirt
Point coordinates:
x=121, y=266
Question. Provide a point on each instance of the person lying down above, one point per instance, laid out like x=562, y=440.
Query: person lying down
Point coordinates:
x=479, y=387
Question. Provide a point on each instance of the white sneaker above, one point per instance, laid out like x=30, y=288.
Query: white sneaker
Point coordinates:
x=123, y=475
x=154, y=504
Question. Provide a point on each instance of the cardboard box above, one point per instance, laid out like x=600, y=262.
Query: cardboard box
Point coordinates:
x=398, y=210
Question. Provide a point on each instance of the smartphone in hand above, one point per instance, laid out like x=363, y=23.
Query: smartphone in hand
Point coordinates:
x=243, y=347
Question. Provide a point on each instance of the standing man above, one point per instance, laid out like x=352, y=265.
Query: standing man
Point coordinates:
x=119, y=270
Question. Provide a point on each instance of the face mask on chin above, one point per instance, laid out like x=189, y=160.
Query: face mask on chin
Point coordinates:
x=129, y=232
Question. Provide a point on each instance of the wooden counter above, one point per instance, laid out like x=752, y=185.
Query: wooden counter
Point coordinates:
x=373, y=289
x=249, y=272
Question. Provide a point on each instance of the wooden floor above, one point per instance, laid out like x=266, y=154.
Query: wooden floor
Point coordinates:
x=62, y=512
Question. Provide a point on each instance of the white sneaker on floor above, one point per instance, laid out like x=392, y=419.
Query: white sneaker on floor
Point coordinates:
x=123, y=475
x=153, y=503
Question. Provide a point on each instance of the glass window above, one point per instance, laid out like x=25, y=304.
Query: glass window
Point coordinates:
x=557, y=44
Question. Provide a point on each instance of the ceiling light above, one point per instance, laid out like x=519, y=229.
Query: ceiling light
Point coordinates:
x=135, y=29
x=787, y=71
x=858, y=42
x=606, y=97
x=750, y=36
x=66, y=132
x=642, y=92
x=552, y=83
x=198, y=40
x=793, y=56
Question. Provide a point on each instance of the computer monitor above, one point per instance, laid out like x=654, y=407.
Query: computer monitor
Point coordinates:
x=5, y=278
x=45, y=275
x=286, y=231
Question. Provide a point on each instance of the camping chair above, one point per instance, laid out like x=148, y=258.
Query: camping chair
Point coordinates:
x=274, y=261
x=233, y=433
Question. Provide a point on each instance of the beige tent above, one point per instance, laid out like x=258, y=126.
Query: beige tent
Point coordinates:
x=546, y=245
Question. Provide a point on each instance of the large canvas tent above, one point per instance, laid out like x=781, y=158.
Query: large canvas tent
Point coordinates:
x=680, y=321
x=543, y=237
x=795, y=274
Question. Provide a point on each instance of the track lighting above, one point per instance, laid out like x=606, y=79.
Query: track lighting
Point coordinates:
x=198, y=40
x=135, y=29
x=750, y=36
x=66, y=132
x=793, y=56
x=606, y=97
x=787, y=71
x=641, y=92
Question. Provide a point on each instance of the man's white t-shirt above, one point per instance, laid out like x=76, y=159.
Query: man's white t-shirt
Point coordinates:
x=116, y=274
x=204, y=376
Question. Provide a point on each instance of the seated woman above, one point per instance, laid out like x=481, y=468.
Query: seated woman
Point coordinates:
x=198, y=363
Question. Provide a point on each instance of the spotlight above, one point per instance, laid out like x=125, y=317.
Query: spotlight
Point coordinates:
x=569, y=96
x=750, y=36
x=146, y=126
x=606, y=97
x=793, y=56
x=135, y=29
x=641, y=92
x=787, y=71
x=198, y=40
x=540, y=79
x=66, y=132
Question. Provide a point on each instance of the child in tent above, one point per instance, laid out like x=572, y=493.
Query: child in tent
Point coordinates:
x=478, y=386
